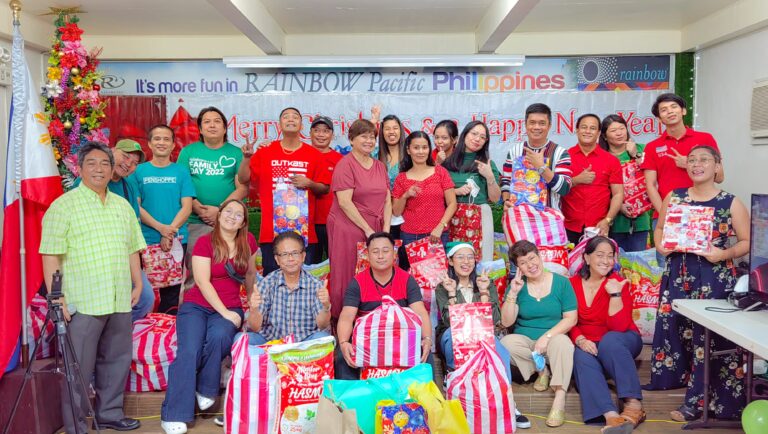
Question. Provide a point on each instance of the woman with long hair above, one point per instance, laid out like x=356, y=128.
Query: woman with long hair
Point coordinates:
x=210, y=315
x=423, y=193
x=446, y=134
x=476, y=177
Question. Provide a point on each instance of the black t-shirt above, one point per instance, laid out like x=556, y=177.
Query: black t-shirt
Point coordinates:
x=353, y=298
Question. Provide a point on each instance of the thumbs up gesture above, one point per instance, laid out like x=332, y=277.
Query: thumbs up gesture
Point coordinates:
x=255, y=300
x=585, y=177
x=323, y=296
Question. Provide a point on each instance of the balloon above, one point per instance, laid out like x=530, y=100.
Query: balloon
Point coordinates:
x=754, y=419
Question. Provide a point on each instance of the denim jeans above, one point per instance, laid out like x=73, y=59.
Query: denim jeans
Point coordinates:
x=634, y=242
x=408, y=238
x=204, y=339
x=146, y=299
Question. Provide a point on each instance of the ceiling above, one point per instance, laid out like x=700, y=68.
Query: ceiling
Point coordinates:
x=199, y=17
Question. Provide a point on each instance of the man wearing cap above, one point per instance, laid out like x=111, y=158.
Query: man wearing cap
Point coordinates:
x=289, y=175
x=321, y=135
x=127, y=155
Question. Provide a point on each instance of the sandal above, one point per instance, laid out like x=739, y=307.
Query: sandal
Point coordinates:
x=634, y=415
x=542, y=383
x=685, y=413
x=555, y=418
x=617, y=425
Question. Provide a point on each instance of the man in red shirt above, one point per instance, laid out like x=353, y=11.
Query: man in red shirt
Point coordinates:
x=666, y=157
x=321, y=135
x=597, y=190
x=289, y=175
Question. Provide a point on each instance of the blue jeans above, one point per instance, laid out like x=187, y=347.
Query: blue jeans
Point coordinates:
x=255, y=339
x=446, y=345
x=146, y=299
x=634, y=242
x=408, y=238
x=204, y=340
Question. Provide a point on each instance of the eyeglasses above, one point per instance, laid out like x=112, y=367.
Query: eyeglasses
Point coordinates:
x=703, y=160
x=233, y=214
x=294, y=254
x=478, y=134
x=462, y=258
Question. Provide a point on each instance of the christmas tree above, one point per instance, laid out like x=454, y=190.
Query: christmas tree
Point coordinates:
x=71, y=97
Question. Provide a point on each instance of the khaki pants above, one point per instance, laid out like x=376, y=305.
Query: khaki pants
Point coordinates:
x=559, y=357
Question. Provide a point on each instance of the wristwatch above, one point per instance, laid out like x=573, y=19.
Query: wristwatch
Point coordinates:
x=608, y=219
x=615, y=294
x=542, y=169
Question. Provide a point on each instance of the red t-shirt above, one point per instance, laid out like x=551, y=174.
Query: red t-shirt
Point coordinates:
x=271, y=166
x=423, y=212
x=586, y=204
x=227, y=288
x=324, y=202
x=594, y=321
x=658, y=153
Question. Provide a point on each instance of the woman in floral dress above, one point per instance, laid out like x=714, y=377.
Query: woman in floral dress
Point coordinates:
x=678, y=343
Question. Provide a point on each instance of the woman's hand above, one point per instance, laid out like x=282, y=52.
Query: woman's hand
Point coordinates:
x=426, y=348
x=587, y=346
x=715, y=255
x=234, y=318
x=541, y=345
x=412, y=192
x=631, y=148
x=485, y=170
x=463, y=190
x=449, y=285
x=625, y=210
x=437, y=232
x=440, y=156
x=483, y=281
x=613, y=286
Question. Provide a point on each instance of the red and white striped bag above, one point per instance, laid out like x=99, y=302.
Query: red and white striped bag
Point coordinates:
x=542, y=227
x=250, y=402
x=390, y=335
x=154, y=349
x=482, y=387
x=37, y=311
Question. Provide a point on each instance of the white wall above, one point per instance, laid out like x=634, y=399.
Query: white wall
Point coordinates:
x=725, y=75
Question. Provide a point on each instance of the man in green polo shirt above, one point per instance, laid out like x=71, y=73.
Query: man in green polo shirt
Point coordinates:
x=92, y=236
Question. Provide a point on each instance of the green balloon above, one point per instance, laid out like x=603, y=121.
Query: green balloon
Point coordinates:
x=754, y=419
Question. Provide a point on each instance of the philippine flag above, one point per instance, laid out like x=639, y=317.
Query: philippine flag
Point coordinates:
x=31, y=163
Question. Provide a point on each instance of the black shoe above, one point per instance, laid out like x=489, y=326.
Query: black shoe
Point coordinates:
x=522, y=422
x=219, y=420
x=124, y=424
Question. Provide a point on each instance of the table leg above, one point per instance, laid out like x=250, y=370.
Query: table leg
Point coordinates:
x=750, y=373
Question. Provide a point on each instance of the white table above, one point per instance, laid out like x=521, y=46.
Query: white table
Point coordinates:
x=748, y=330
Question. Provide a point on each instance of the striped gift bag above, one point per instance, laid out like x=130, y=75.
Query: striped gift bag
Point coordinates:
x=37, y=312
x=154, y=348
x=388, y=336
x=482, y=387
x=542, y=227
x=250, y=402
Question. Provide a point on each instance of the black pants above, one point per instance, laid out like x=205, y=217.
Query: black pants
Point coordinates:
x=574, y=236
x=321, y=248
x=402, y=257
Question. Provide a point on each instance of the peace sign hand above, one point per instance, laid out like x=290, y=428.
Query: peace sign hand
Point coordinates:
x=483, y=281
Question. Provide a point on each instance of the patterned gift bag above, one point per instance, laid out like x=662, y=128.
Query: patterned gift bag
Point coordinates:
x=688, y=228
x=428, y=263
x=290, y=209
x=390, y=335
x=471, y=324
x=466, y=225
x=154, y=348
x=163, y=269
x=635, y=195
x=543, y=227
x=527, y=186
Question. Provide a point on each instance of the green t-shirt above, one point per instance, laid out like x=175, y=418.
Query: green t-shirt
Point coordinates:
x=534, y=318
x=622, y=223
x=213, y=172
x=460, y=179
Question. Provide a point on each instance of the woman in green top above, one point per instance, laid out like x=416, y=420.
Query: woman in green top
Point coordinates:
x=631, y=234
x=542, y=308
x=470, y=166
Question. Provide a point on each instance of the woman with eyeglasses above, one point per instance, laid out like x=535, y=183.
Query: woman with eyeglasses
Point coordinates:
x=210, y=315
x=678, y=343
x=476, y=177
x=607, y=341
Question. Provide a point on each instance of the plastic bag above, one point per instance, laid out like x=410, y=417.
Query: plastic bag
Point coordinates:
x=443, y=416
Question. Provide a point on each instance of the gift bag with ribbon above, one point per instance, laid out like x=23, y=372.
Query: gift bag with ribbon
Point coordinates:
x=362, y=255
x=482, y=387
x=428, y=264
x=527, y=186
x=37, y=311
x=390, y=335
x=405, y=418
x=443, y=416
x=250, y=402
x=635, y=194
x=545, y=227
x=163, y=268
x=471, y=324
x=466, y=225
x=154, y=349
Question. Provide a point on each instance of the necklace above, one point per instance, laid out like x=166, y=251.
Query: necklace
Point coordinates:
x=538, y=295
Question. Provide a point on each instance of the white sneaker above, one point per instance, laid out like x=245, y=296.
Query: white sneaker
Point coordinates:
x=203, y=402
x=173, y=427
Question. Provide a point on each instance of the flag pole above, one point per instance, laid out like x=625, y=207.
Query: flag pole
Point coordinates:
x=18, y=132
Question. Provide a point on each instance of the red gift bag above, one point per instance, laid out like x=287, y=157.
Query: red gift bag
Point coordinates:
x=635, y=195
x=163, y=268
x=428, y=263
x=544, y=227
x=390, y=335
x=154, y=348
x=482, y=387
x=37, y=311
x=555, y=259
x=362, y=255
x=471, y=324
x=250, y=402
x=466, y=225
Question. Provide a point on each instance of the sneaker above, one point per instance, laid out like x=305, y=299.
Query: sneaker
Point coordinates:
x=521, y=421
x=203, y=402
x=173, y=427
x=219, y=420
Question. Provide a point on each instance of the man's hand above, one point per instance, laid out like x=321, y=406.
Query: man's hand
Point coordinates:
x=585, y=177
x=166, y=244
x=301, y=181
x=346, y=351
x=426, y=349
x=323, y=296
x=255, y=301
x=63, y=302
x=208, y=214
x=248, y=148
x=536, y=159
x=168, y=231
x=681, y=161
